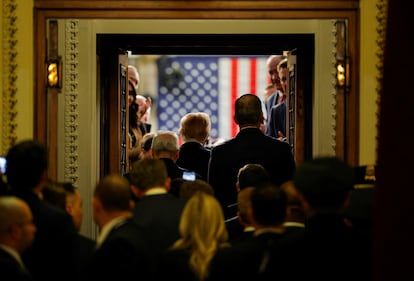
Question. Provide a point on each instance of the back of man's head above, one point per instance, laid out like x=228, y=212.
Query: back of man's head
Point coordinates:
x=165, y=144
x=269, y=204
x=27, y=162
x=113, y=192
x=148, y=173
x=252, y=175
x=325, y=182
x=248, y=111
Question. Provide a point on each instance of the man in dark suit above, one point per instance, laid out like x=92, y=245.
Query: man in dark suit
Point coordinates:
x=17, y=232
x=250, y=145
x=248, y=259
x=276, y=126
x=273, y=74
x=157, y=211
x=67, y=197
x=122, y=252
x=56, y=236
x=328, y=248
x=276, y=119
x=165, y=147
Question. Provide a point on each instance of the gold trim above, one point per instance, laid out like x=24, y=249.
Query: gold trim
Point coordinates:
x=71, y=92
x=9, y=99
x=381, y=33
x=363, y=186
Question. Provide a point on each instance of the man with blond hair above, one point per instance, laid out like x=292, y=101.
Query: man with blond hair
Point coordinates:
x=194, y=130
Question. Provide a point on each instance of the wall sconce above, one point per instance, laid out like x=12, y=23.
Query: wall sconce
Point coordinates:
x=342, y=74
x=54, y=74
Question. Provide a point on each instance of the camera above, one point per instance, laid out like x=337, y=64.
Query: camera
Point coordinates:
x=189, y=176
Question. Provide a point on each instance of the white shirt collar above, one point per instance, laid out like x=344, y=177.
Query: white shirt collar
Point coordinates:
x=155, y=191
x=14, y=254
x=107, y=228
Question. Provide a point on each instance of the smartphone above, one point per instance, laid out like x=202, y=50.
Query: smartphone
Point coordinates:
x=3, y=165
x=189, y=176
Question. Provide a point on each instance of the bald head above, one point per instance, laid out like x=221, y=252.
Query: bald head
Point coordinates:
x=272, y=70
x=133, y=76
x=16, y=223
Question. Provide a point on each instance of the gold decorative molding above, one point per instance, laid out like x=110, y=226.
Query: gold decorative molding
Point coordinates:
x=381, y=34
x=71, y=93
x=9, y=98
x=333, y=84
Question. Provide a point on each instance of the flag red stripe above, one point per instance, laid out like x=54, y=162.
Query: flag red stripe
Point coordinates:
x=234, y=92
x=253, y=82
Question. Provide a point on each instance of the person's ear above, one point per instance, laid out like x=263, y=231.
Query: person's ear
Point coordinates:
x=96, y=205
x=69, y=207
x=305, y=204
x=250, y=216
x=14, y=230
x=262, y=119
x=235, y=119
x=136, y=191
x=177, y=154
x=167, y=183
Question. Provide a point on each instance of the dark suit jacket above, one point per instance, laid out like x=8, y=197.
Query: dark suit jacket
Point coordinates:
x=175, y=172
x=234, y=227
x=277, y=120
x=271, y=101
x=250, y=145
x=328, y=249
x=160, y=216
x=10, y=269
x=56, y=242
x=123, y=255
x=85, y=252
x=246, y=259
x=194, y=156
x=174, y=265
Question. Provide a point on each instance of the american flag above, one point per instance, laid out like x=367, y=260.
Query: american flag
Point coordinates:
x=209, y=84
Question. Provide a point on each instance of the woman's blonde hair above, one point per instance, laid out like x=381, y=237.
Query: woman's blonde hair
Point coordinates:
x=202, y=230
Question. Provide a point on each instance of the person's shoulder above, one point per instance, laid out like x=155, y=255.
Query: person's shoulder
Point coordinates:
x=222, y=145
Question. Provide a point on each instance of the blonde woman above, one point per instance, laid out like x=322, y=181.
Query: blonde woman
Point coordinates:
x=202, y=232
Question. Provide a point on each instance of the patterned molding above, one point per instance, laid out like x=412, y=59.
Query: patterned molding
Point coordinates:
x=333, y=83
x=71, y=101
x=9, y=99
x=381, y=33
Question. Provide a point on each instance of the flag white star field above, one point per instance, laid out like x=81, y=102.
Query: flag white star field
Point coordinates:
x=207, y=84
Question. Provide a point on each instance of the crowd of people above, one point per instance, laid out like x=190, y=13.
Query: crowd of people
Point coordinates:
x=248, y=213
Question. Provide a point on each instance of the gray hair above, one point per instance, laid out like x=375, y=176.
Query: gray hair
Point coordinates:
x=165, y=141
